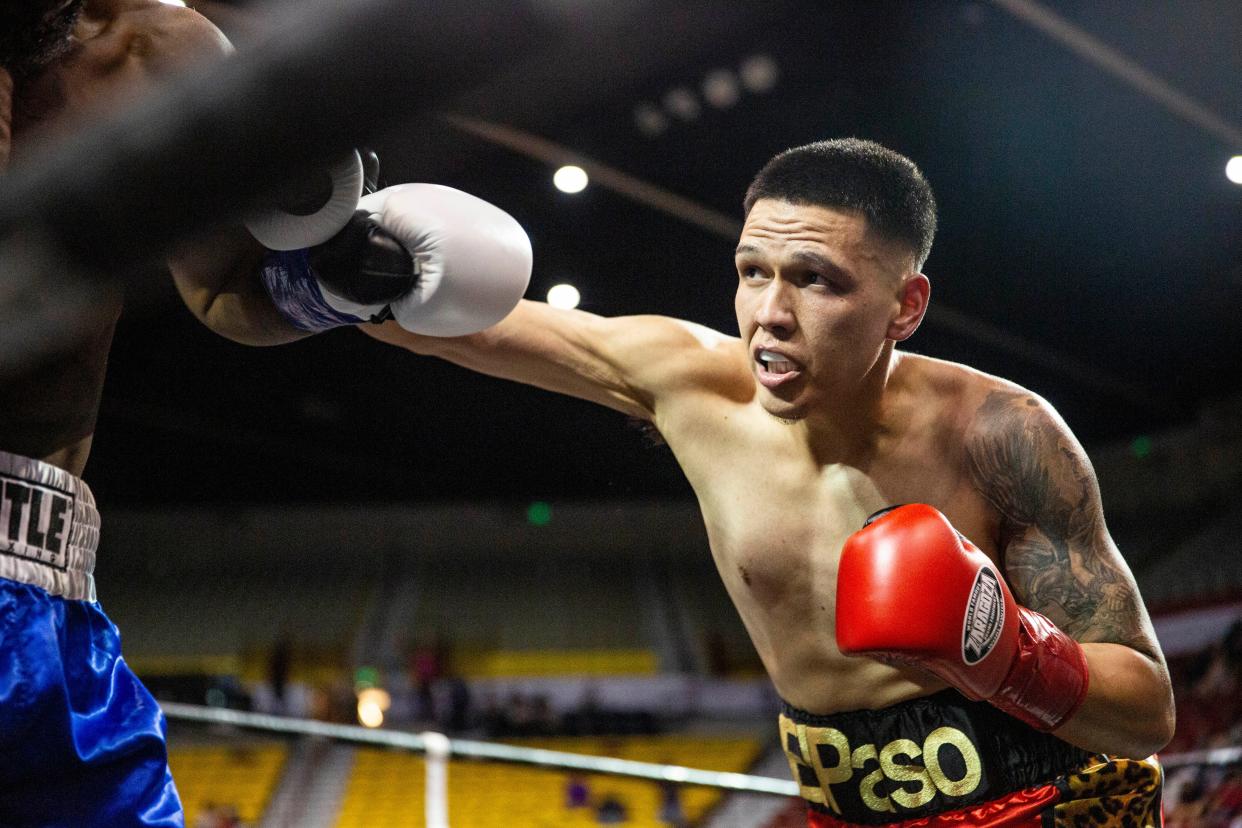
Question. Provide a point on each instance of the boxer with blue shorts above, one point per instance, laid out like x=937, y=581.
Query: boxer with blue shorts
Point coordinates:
x=81, y=740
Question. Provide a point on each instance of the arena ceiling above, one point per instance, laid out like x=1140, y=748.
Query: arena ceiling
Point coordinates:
x=1090, y=246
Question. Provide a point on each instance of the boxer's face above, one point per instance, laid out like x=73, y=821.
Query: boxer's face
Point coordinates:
x=33, y=33
x=815, y=301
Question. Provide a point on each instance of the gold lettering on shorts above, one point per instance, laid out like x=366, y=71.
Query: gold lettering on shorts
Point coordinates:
x=809, y=750
x=955, y=738
x=866, y=788
x=835, y=774
x=902, y=772
x=800, y=760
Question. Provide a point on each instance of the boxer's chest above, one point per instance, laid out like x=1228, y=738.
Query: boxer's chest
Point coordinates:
x=777, y=516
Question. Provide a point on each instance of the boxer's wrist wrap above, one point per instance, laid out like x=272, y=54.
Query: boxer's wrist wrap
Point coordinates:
x=290, y=281
x=1048, y=680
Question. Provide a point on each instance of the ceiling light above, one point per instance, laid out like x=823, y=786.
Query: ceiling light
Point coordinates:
x=570, y=179
x=682, y=103
x=564, y=296
x=1233, y=170
x=649, y=119
x=720, y=88
x=759, y=73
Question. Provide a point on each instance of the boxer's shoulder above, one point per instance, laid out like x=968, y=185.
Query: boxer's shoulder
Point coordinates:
x=119, y=48
x=941, y=397
x=169, y=34
x=1005, y=411
x=974, y=401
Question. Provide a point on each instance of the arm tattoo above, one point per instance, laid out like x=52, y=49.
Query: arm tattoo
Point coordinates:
x=1055, y=548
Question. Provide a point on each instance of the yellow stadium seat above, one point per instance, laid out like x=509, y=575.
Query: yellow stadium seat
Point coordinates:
x=243, y=777
x=386, y=788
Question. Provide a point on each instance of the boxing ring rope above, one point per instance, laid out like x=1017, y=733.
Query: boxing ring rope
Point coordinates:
x=487, y=751
x=439, y=748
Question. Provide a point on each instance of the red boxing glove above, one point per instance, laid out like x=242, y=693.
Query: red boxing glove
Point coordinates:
x=911, y=589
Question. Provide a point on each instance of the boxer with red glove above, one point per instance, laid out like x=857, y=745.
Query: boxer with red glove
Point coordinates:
x=912, y=589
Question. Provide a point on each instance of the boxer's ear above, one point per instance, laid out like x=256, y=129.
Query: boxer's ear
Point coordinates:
x=912, y=294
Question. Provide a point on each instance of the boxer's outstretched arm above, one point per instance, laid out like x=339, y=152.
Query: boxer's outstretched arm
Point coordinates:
x=1060, y=561
x=627, y=363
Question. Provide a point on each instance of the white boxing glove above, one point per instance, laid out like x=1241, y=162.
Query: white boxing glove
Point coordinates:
x=474, y=259
x=439, y=261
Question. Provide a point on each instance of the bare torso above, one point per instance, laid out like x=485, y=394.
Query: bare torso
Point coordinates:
x=119, y=48
x=777, y=516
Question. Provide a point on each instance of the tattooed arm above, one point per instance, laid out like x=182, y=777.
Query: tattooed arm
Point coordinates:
x=1060, y=561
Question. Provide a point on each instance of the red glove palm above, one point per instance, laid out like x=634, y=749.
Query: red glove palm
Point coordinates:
x=910, y=588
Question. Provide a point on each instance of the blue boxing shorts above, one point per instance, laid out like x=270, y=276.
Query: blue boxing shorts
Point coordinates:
x=81, y=740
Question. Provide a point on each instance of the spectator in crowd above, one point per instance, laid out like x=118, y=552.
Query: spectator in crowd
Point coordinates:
x=671, y=811
x=1225, y=805
x=1208, y=689
x=208, y=816
x=218, y=816
x=611, y=810
x=542, y=720
x=519, y=715
x=457, y=708
x=1188, y=811
x=577, y=792
x=491, y=716
x=278, y=665
x=426, y=665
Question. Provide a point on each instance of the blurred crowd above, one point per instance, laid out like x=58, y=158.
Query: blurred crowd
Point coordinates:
x=426, y=692
x=1208, y=688
x=218, y=816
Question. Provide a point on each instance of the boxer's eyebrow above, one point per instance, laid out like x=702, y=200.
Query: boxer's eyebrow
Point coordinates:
x=823, y=265
x=817, y=261
x=746, y=247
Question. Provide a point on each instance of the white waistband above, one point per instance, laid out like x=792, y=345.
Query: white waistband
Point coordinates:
x=49, y=528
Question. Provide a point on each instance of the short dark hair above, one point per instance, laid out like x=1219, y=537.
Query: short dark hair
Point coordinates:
x=852, y=174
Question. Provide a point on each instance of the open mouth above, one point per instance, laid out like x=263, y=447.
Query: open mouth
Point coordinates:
x=775, y=368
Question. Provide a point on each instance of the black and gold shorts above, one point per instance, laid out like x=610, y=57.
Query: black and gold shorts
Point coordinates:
x=945, y=760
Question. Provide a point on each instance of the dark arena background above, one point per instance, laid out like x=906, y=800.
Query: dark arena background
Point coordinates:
x=339, y=532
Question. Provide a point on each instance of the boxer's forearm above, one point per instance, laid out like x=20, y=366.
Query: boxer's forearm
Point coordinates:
x=1129, y=706
x=550, y=348
x=217, y=276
